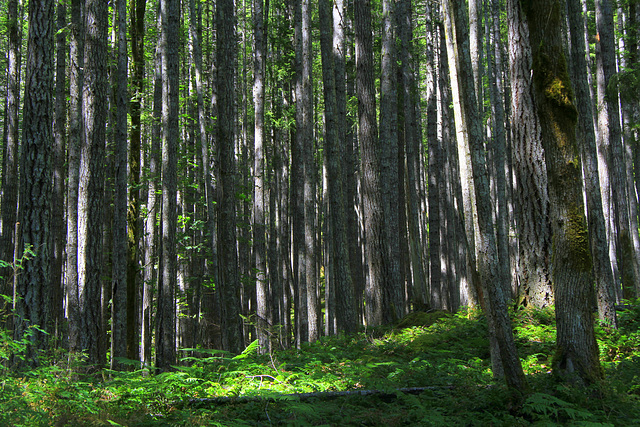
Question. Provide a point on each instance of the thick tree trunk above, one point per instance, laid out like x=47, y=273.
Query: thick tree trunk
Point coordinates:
x=532, y=197
x=393, y=306
x=576, y=358
x=33, y=286
x=368, y=138
x=343, y=285
x=611, y=150
x=229, y=282
x=91, y=188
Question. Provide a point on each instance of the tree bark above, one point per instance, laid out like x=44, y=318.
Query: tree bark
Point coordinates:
x=33, y=287
x=91, y=188
x=119, y=304
x=10, y=178
x=343, y=285
x=229, y=282
x=611, y=150
x=532, y=197
x=605, y=284
x=368, y=138
x=166, y=314
x=576, y=358
x=134, y=223
x=488, y=269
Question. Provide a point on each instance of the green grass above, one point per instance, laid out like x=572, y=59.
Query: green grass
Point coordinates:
x=448, y=353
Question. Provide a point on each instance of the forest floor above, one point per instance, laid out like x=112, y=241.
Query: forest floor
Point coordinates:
x=430, y=369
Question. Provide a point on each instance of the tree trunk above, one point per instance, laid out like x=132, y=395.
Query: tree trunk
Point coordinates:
x=33, y=286
x=343, y=285
x=488, y=269
x=576, y=358
x=151, y=253
x=57, y=196
x=588, y=153
x=91, y=189
x=119, y=318
x=166, y=314
x=10, y=179
x=368, y=138
x=392, y=298
x=611, y=150
x=259, y=238
x=134, y=223
x=229, y=282
x=76, y=137
x=413, y=153
x=530, y=172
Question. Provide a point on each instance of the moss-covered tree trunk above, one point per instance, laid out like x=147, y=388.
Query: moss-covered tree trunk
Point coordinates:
x=576, y=359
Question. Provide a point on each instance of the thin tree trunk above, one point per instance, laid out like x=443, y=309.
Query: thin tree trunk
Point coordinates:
x=413, y=151
x=488, y=269
x=259, y=182
x=610, y=149
x=134, y=223
x=151, y=253
x=58, y=241
x=119, y=318
x=588, y=153
x=76, y=137
x=10, y=179
x=165, y=320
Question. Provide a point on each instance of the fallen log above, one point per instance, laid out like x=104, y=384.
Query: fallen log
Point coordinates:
x=385, y=394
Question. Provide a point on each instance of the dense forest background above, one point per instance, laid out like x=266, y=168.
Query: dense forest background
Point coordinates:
x=201, y=174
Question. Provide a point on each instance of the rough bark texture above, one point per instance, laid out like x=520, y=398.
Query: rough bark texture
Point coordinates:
x=10, y=180
x=229, y=282
x=488, y=268
x=33, y=287
x=577, y=357
x=165, y=321
x=259, y=182
x=588, y=153
x=345, y=312
x=530, y=171
x=91, y=189
x=389, y=178
x=119, y=318
x=134, y=223
x=611, y=150
x=76, y=66
x=368, y=138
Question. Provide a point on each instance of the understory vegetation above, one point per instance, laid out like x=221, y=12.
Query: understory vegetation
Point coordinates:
x=430, y=369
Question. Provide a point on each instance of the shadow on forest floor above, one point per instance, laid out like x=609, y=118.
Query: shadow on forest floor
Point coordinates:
x=445, y=356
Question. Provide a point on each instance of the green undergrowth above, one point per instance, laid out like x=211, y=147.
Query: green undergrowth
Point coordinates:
x=445, y=355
